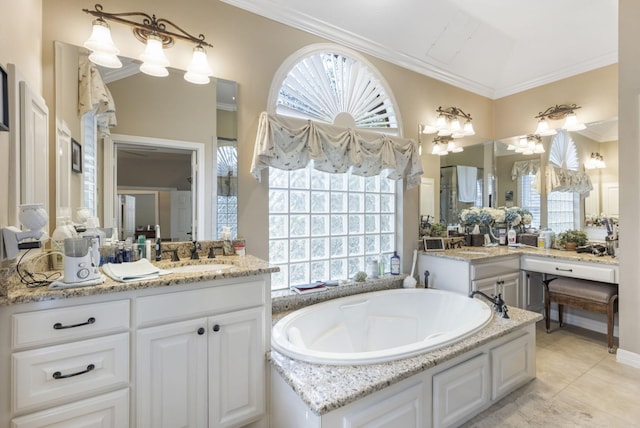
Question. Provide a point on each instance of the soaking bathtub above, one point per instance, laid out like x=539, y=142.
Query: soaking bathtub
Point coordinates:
x=378, y=327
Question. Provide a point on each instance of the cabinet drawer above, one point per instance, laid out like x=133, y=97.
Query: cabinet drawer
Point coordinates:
x=592, y=271
x=60, y=373
x=77, y=322
x=496, y=268
x=108, y=410
x=196, y=303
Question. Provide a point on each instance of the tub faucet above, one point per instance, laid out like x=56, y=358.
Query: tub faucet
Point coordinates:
x=194, y=250
x=498, y=304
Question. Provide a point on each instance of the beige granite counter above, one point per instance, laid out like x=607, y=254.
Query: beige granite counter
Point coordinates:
x=248, y=265
x=326, y=387
x=486, y=253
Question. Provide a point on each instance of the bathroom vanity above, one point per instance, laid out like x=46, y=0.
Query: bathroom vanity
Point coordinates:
x=185, y=349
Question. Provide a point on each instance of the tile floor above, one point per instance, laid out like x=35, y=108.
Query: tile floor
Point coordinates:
x=578, y=384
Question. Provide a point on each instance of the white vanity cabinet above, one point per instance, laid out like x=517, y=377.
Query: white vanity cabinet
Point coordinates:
x=182, y=355
x=492, y=276
x=68, y=365
x=207, y=370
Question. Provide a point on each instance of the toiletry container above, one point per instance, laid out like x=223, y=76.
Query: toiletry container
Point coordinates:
x=511, y=236
x=158, y=244
x=395, y=264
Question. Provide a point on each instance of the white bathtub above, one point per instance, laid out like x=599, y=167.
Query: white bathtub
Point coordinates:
x=379, y=326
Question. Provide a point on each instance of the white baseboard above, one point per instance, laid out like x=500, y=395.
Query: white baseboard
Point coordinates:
x=629, y=358
x=570, y=317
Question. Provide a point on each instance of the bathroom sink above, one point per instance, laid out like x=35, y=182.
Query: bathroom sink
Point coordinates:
x=217, y=267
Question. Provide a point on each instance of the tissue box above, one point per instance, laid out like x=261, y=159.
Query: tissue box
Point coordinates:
x=528, y=239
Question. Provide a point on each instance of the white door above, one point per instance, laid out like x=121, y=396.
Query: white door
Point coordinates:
x=171, y=375
x=181, y=215
x=34, y=147
x=127, y=223
x=237, y=372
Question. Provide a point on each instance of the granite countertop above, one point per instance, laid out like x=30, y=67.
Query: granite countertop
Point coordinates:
x=328, y=387
x=486, y=253
x=248, y=265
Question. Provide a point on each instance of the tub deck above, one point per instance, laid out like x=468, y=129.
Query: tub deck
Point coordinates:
x=324, y=388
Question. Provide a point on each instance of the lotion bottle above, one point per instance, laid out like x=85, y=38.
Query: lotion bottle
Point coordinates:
x=158, y=244
x=511, y=236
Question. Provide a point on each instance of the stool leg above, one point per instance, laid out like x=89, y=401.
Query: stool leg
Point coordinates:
x=547, y=313
x=560, y=314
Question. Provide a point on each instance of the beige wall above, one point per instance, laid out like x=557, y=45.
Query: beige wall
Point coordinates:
x=595, y=91
x=20, y=44
x=629, y=159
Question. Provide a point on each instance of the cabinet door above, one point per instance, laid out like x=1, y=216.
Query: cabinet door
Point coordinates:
x=488, y=286
x=237, y=367
x=171, y=375
x=509, y=287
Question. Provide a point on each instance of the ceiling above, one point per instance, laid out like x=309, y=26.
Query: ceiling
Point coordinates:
x=493, y=48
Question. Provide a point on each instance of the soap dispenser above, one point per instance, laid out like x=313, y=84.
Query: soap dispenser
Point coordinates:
x=511, y=236
x=395, y=264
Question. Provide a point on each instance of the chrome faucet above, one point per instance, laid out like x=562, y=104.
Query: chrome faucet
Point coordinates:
x=498, y=304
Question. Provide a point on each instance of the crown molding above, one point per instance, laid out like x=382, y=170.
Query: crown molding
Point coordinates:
x=271, y=10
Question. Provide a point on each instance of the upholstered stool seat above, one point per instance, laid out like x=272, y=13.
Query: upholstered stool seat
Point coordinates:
x=594, y=296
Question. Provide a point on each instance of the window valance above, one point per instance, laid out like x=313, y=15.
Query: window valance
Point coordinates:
x=290, y=143
x=526, y=167
x=94, y=95
x=563, y=180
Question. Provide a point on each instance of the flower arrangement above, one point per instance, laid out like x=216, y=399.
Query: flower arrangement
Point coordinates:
x=572, y=235
x=488, y=216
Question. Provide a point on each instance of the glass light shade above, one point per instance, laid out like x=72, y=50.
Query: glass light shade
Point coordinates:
x=198, y=71
x=154, y=59
x=468, y=128
x=428, y=129
x=444, y=132
x=441, y=122
x=571, y=123
x=539, y=148
x=437, y=150
x=511, y=147
x=154, y=70
x=455, y=125
x=100, y=39
x=543, y=128
x=105, y=59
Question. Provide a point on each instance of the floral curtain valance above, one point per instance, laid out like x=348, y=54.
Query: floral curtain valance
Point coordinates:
x=290, y=143
x=563, y=180
x=94, y=95
x=526, y=167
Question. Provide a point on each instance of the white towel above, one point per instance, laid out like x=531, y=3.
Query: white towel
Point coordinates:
x=135, y=271
x=467, y=177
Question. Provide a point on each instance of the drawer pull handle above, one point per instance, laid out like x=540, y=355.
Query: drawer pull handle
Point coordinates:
x=564, y=270
x=201, y=331
x=216, y=327
x=59, y=326
x=58, y=375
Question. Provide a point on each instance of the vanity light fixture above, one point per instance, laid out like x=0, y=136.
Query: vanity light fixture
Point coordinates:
x=445, y=145
x=596, y=161
x=528, y=145
x=154, y=34
x=559, y=112
x=449, y=123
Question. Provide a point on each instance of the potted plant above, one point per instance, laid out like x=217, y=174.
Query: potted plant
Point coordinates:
x=439, y=229
x=572, y=238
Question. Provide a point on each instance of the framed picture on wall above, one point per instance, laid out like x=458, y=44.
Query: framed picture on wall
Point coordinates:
x=76, y=156
x=4, y=100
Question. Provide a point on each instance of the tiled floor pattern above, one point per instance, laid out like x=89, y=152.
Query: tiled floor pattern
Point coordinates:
x=578, y=384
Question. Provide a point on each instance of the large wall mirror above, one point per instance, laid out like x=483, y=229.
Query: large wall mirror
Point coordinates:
x=169, y=159
x=494, y=182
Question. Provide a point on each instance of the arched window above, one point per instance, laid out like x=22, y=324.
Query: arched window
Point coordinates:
x=326, y=226
x=562, y=207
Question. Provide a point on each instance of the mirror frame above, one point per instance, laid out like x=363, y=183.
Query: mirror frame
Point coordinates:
x=110, y=177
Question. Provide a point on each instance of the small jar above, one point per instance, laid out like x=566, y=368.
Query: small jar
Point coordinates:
x=240, y=249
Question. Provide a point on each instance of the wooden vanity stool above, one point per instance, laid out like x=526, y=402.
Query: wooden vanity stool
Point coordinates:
x=583, y=294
